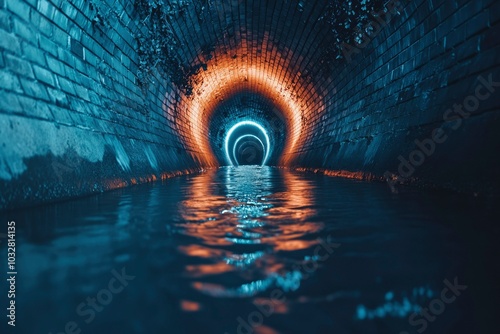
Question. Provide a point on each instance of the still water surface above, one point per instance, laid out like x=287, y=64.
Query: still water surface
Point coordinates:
x=256, y=250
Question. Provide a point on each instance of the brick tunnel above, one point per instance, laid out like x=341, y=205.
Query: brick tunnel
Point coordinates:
x=105, y=94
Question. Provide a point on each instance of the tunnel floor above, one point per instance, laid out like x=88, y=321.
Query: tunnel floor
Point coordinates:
x=257, y=250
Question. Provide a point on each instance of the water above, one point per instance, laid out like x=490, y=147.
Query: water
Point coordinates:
x=256, y=250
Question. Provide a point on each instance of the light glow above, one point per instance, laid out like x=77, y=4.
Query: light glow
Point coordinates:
x=243, y=123
x=270, y=74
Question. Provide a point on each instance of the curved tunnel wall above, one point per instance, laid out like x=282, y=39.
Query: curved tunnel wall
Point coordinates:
x=79, y=114
x=409, y=104
x=73, y=119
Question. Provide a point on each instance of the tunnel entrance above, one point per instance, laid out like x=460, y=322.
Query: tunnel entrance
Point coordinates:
x=248, y=129
x=249, y=150
x=254, y=124
x=247, y=143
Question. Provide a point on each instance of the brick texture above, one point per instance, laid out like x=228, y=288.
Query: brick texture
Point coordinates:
x=74, y=119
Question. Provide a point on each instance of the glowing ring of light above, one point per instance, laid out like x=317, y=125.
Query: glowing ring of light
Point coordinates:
x=244, y=136
x=242, y=123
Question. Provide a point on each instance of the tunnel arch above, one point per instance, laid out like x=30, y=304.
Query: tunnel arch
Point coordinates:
x=248, y=106
x=288, y=58
x=228, y=76
x=112, y=95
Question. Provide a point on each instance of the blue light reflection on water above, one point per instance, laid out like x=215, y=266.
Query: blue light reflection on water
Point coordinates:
x=210, y=248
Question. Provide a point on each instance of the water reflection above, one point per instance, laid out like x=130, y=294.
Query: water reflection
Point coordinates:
x=210, y=249
x=242, y=223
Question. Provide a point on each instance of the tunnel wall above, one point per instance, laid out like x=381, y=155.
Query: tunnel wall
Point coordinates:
x=400, y=86
x=73, y=119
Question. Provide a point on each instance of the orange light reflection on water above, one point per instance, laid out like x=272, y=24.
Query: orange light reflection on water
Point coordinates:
x=242, y=223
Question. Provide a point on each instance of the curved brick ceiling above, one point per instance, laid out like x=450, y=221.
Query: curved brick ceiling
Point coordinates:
x=280, y=52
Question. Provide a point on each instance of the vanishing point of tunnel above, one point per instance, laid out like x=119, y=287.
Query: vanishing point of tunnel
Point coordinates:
x=239, y=166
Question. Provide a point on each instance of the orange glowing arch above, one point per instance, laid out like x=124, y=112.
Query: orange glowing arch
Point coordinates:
x=268, y=74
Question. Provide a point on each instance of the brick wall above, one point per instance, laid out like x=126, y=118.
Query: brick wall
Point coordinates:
x=399, y=88
x=73, y=120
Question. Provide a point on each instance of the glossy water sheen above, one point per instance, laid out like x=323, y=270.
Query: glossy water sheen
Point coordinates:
x=216, y=252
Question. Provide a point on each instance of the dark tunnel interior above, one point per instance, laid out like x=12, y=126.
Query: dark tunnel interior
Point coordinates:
x=249, y=166
x=249, y=114
x=397, y=91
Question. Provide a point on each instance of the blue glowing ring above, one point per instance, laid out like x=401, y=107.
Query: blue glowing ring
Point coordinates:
x=244, y=136
x=242, y=123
